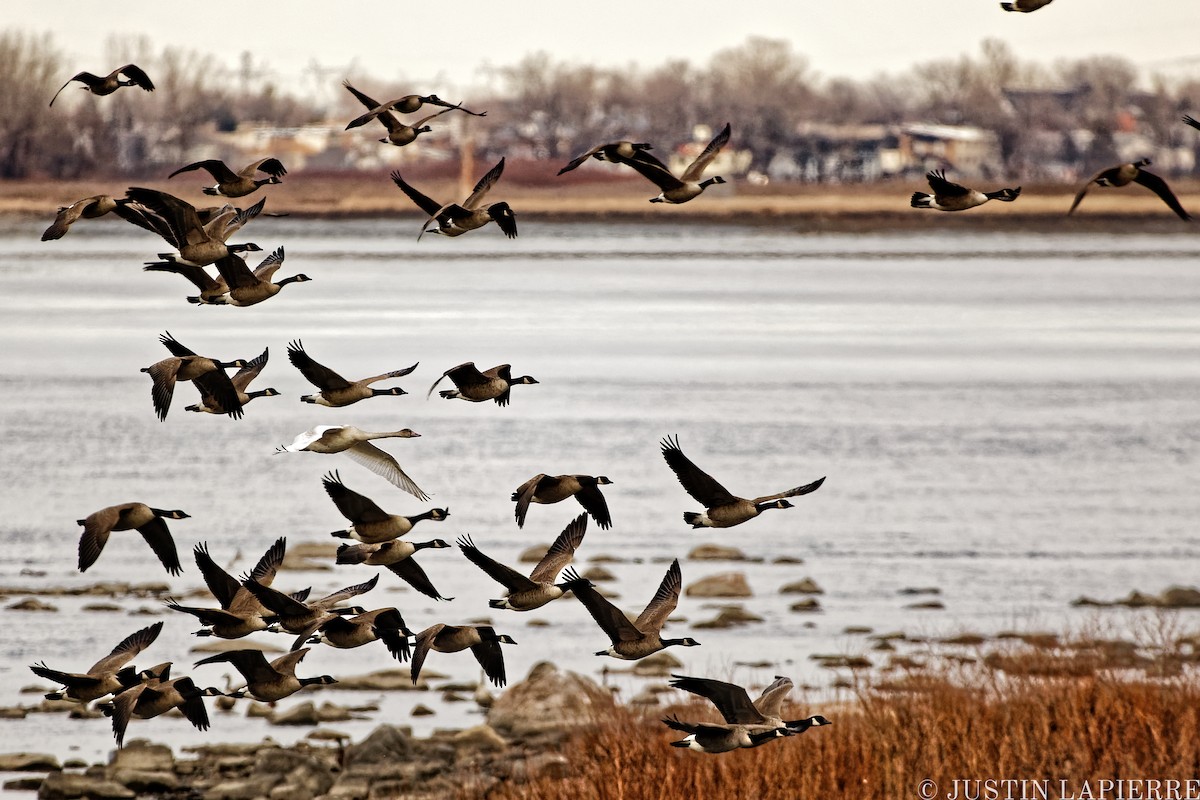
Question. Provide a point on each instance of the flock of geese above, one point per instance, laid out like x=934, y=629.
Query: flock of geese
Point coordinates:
x=200, y=238
x=251, y=604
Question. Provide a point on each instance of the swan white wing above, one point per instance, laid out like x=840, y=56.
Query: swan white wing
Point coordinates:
x=382, y=464
x=304, y=440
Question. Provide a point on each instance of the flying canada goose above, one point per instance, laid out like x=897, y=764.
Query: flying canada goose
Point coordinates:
x=712, y=738
x=268, y=682
x=215, y=291
x=736, y=707
x=526, y=594
x=88, y=208
x=1025, y=6
x=640, y=638
x=1188, y=120
x=396, y=555
x=399, y=133
x=210, y=405
x=240, y=613
x=226, y=623
x=454, y=219
x=948, y=196
x=1123, y=175
x=356, y=444
x=298, y=616
x=336, y=391
x=109, y=83
x=208, y=374
x=240, y=183
x=405, y=105
x=382, y=624
x=686, y=186
x=149, y=522
x=615, y=152
x=248, y=288
x=370, y=523
x=476, y=386
x=109, y=675
x=149, y=700
x=197, y=242
x=722, y=509
x=546, y=489
x=482, y=639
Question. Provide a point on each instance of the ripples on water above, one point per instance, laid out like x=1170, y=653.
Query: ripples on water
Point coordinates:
x=1011, y=419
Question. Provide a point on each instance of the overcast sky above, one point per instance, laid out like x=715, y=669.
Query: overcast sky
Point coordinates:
x=425, y=42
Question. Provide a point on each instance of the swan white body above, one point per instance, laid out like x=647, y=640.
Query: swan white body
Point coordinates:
x=356, y=444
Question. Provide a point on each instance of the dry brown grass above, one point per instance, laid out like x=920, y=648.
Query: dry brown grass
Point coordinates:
x=884, y=743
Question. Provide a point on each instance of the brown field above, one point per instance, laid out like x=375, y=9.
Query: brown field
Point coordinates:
x=885, y=740
x=535, y=194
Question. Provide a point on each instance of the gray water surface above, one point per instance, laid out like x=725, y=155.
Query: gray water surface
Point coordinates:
x=1011, y=419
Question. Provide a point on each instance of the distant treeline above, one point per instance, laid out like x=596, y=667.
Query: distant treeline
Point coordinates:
x=555, y=109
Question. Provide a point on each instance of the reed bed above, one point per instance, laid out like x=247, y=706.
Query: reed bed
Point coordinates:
x=956, y=722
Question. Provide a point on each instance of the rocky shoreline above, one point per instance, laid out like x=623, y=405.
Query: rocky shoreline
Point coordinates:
x=520, y=741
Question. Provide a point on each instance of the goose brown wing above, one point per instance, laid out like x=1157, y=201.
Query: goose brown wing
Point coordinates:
x=695, y=481
x=424, y=202
x=944, y=188
x=192, y=707
x=240, y=218
x=251, y=663
x=353, y=506
x=179, y=216
x=592, y=499
x=525, y=492
x=491, y=658
x=315, y=373
x=69, y=679
x=730, y=699
x=235, y=272
x=223, y=586
x=286, y=663
x=1157, y=185
x=270, y=166
x=198, y=276
x=331, y=600
x=267, y=268
x=362, y=98
x=561, y=552
x=122, y=710
x=171, y=343
x=217, y=384
x=411, y=573
x=506, y=576
x=158, y=536
x=129, y=647
x=67, y=216
x=208, y=616
x=663, y=602
x=138, y=76
x=611, y=619
x=654, y=170
x=242, y=378
x=86, y=78
x=96, y=528
x=575, y=162
x=697, y=167
x=770, y=702
x=466, y=375
x=220, y=172
x=485, y=183
x=278, y=602
x=796, y=492
x=1082, y=191
x=162, y=388
x=421, y=645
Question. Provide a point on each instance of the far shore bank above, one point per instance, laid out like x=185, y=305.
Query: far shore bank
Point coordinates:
x=803, y=207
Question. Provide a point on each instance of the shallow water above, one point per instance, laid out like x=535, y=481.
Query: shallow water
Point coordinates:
x=1011, y=419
